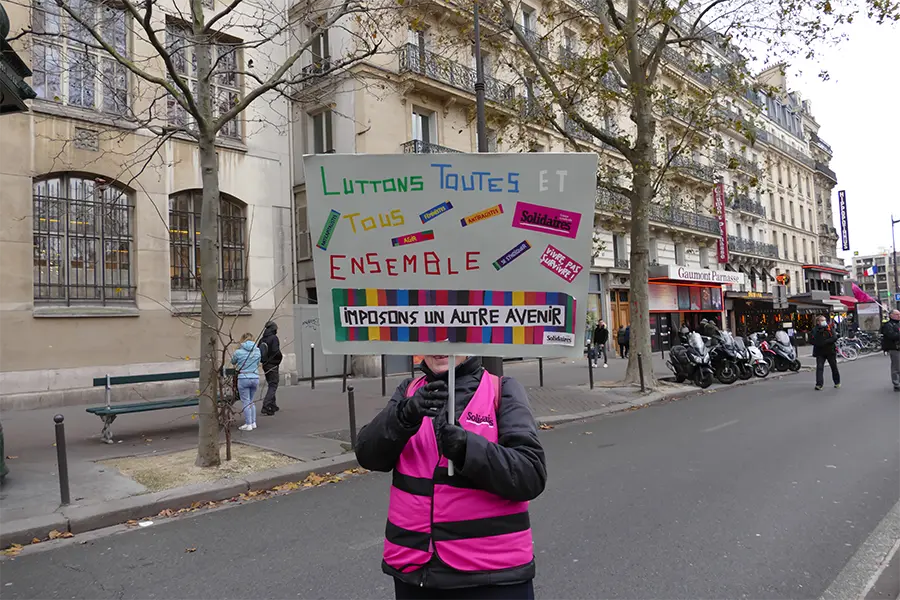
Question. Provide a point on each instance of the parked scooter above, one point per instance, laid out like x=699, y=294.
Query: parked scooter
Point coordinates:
x=724, y=358
x=762, y=340
x=744, y=364
x=759, y=363
x=691, y=361
x=785, y=354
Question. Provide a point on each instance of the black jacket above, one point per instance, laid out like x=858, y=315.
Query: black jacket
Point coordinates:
x=823, y=341
x=514, y=468
x=270, y=347
x=891, y=333
x=601, y=336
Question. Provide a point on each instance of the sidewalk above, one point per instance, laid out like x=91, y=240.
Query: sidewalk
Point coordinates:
x=312, y=427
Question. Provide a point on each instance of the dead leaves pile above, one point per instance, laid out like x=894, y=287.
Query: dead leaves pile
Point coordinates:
x=15, y=549
x=545, y=426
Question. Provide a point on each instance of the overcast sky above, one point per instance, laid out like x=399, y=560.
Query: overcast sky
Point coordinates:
x=854, y=111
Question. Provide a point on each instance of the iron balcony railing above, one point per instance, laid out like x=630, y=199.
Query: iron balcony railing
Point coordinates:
x=736, y=161
x=826, y=170
x=415, y=59
x=789, y=150
x=568, y=58
x=678, y=60
x=420, y=147
x=746, y=204
x=821, y=143
x=752, y=247
x=664, y=214
x=693, y=168
x=577, y=131
x=535, y=40
x=622, y=263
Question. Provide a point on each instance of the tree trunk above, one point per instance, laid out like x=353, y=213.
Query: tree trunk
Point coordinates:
x=208, y=434
x=639, y=343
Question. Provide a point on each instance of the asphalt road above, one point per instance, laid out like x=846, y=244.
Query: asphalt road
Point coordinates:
x=761, y=491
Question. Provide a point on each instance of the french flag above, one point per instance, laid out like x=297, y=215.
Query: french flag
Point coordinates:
x=871, y=271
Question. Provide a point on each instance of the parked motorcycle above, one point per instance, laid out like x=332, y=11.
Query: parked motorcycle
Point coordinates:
x=744, y=364
x=724, y=358
x=758, y=361
x=691, y=361
x=761, y=340
x=785, y=354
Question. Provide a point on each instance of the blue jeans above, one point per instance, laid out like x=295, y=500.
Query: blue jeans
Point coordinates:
x=247, y=389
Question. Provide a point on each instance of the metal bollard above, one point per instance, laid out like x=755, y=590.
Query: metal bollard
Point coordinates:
x=590, y=371
x=351, y=402
x=641, y=371
x=541, y=370
x=312, y=366
x=62, y=460
x=383, y=377
x=344, y=378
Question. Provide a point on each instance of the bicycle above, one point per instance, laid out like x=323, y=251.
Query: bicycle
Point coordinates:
x=847, y=351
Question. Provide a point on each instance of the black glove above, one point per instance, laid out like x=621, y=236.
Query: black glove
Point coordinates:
x=452, y=440
x=426, y=402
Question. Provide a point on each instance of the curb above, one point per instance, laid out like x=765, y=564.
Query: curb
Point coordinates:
x=82, y=518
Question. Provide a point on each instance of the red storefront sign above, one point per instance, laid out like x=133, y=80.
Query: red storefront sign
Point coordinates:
x=719, y=202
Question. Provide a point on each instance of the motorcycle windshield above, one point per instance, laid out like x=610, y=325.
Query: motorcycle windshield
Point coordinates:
x=739, y=344
x=782, y=338
x=696, y=343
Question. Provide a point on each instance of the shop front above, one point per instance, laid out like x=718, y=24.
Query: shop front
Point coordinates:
x=683, y=296
x=751, y=312
x=806, y=307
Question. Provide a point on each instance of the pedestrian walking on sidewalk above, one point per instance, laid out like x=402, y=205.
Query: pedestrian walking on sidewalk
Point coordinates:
x=601, y=337
x=620, y=339
x=824, y=340
x=891, y=344
x=246, y=358
x=270, y=348
x=469, y=535
x=627, y=340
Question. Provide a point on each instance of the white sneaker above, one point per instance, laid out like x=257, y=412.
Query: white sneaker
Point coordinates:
x=246, y=427
x=605, y=366
x=594, y=365
x=254, y=426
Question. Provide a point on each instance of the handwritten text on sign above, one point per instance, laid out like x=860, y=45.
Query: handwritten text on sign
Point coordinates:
x=396, y=274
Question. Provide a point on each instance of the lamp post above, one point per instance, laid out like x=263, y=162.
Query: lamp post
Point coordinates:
x=493, y=364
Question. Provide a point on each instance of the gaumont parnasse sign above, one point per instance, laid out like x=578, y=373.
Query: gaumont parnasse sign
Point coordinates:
x=679, y=273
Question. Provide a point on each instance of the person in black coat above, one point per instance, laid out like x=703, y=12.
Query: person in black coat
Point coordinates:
x=514, y=468
x=600, y=339
x=891, y=344
x=270, y=347
x=824, y=341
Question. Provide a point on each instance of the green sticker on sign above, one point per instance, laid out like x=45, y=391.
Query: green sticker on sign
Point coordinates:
x=328, y=231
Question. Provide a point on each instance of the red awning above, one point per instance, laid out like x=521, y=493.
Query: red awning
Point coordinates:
x=847, y=301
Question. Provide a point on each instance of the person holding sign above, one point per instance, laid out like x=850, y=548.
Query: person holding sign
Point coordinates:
x=467, y=535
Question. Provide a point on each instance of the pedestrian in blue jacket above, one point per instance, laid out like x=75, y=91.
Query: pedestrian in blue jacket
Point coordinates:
x=246, y=358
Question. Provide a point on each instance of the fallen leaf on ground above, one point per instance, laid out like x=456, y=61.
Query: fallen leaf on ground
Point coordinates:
x=35, y=540
x=131, y=523
x=190, y=549
x=166, y=512
x=67, y=534
x=11, y=457
x=545, y=426
x=13, y=550
x=54, y=534
x=588, y=433
x=148, y=440
x=552, y=410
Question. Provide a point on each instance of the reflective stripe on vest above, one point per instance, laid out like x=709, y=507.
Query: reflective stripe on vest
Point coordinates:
x=470, y=529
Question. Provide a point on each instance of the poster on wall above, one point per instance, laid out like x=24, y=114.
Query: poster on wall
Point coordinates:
x=705, y=299
x=684, y=297
x=716, y=295
x=695, y=298
x=484, y=254
x=663, y=297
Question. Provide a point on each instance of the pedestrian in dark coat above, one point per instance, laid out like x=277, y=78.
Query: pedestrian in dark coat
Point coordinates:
x=891, y=344
x=620, y=339
x=433, y=548
x=627, y=340
x=601, y=337
x=824, y=341
x=270, y=347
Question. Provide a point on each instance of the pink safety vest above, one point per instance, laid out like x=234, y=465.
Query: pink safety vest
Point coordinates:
x=431, y=513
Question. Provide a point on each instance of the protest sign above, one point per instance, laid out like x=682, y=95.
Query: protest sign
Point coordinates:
x=484, y=254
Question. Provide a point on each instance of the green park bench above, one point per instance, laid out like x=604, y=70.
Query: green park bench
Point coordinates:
x=109, y=412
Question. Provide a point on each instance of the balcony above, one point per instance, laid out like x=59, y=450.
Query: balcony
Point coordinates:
x=663, y=215
x=420, y=147
x=621, y=263
x=821, y=143
x=828, y=231
x=415, y=59
x=677, y=60
x=826, y=171
x=568, y=58
x=747, y=205
x=789, y=150
x=689, y=167
x=736, y=162
x=535, y=40
x=577, y=131
x=752, y=247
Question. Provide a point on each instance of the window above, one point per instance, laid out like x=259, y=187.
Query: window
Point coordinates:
x=792, y=212
x=83, y=241
x=320, y=51
x=491, y=135
x=66, y=70
x=704, y=257
x=225, y=83
x=812, y=252
x=654, y=252
x=802, y=219
x=535, y=147
x=783, y=214
x=322, y=137
x=620, y=256
x=794, y=243
x=805, y=256
x=184, y=244
x=569, y=42
x=528, y=20
x=424, y=126
x=679, y=254
x=737, y=229
x=418, y=37
x=811, y=227
x=784, y=239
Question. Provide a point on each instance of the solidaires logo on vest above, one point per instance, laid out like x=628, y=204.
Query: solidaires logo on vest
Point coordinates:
x=476, y=419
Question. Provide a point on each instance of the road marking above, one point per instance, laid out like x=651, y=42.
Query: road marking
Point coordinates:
x=367, y=544
x=722, y=426
x=871, y=559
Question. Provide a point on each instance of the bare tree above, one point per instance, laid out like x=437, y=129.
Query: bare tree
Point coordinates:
x=188, y=83
x=623, y=49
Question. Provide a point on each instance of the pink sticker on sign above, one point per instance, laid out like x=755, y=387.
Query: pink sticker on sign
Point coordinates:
x=556, y=260
x=544, y=219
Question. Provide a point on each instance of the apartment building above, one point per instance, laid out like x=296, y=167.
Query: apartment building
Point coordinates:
x=100, y=217
x=881, y=284
x=421, y=99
